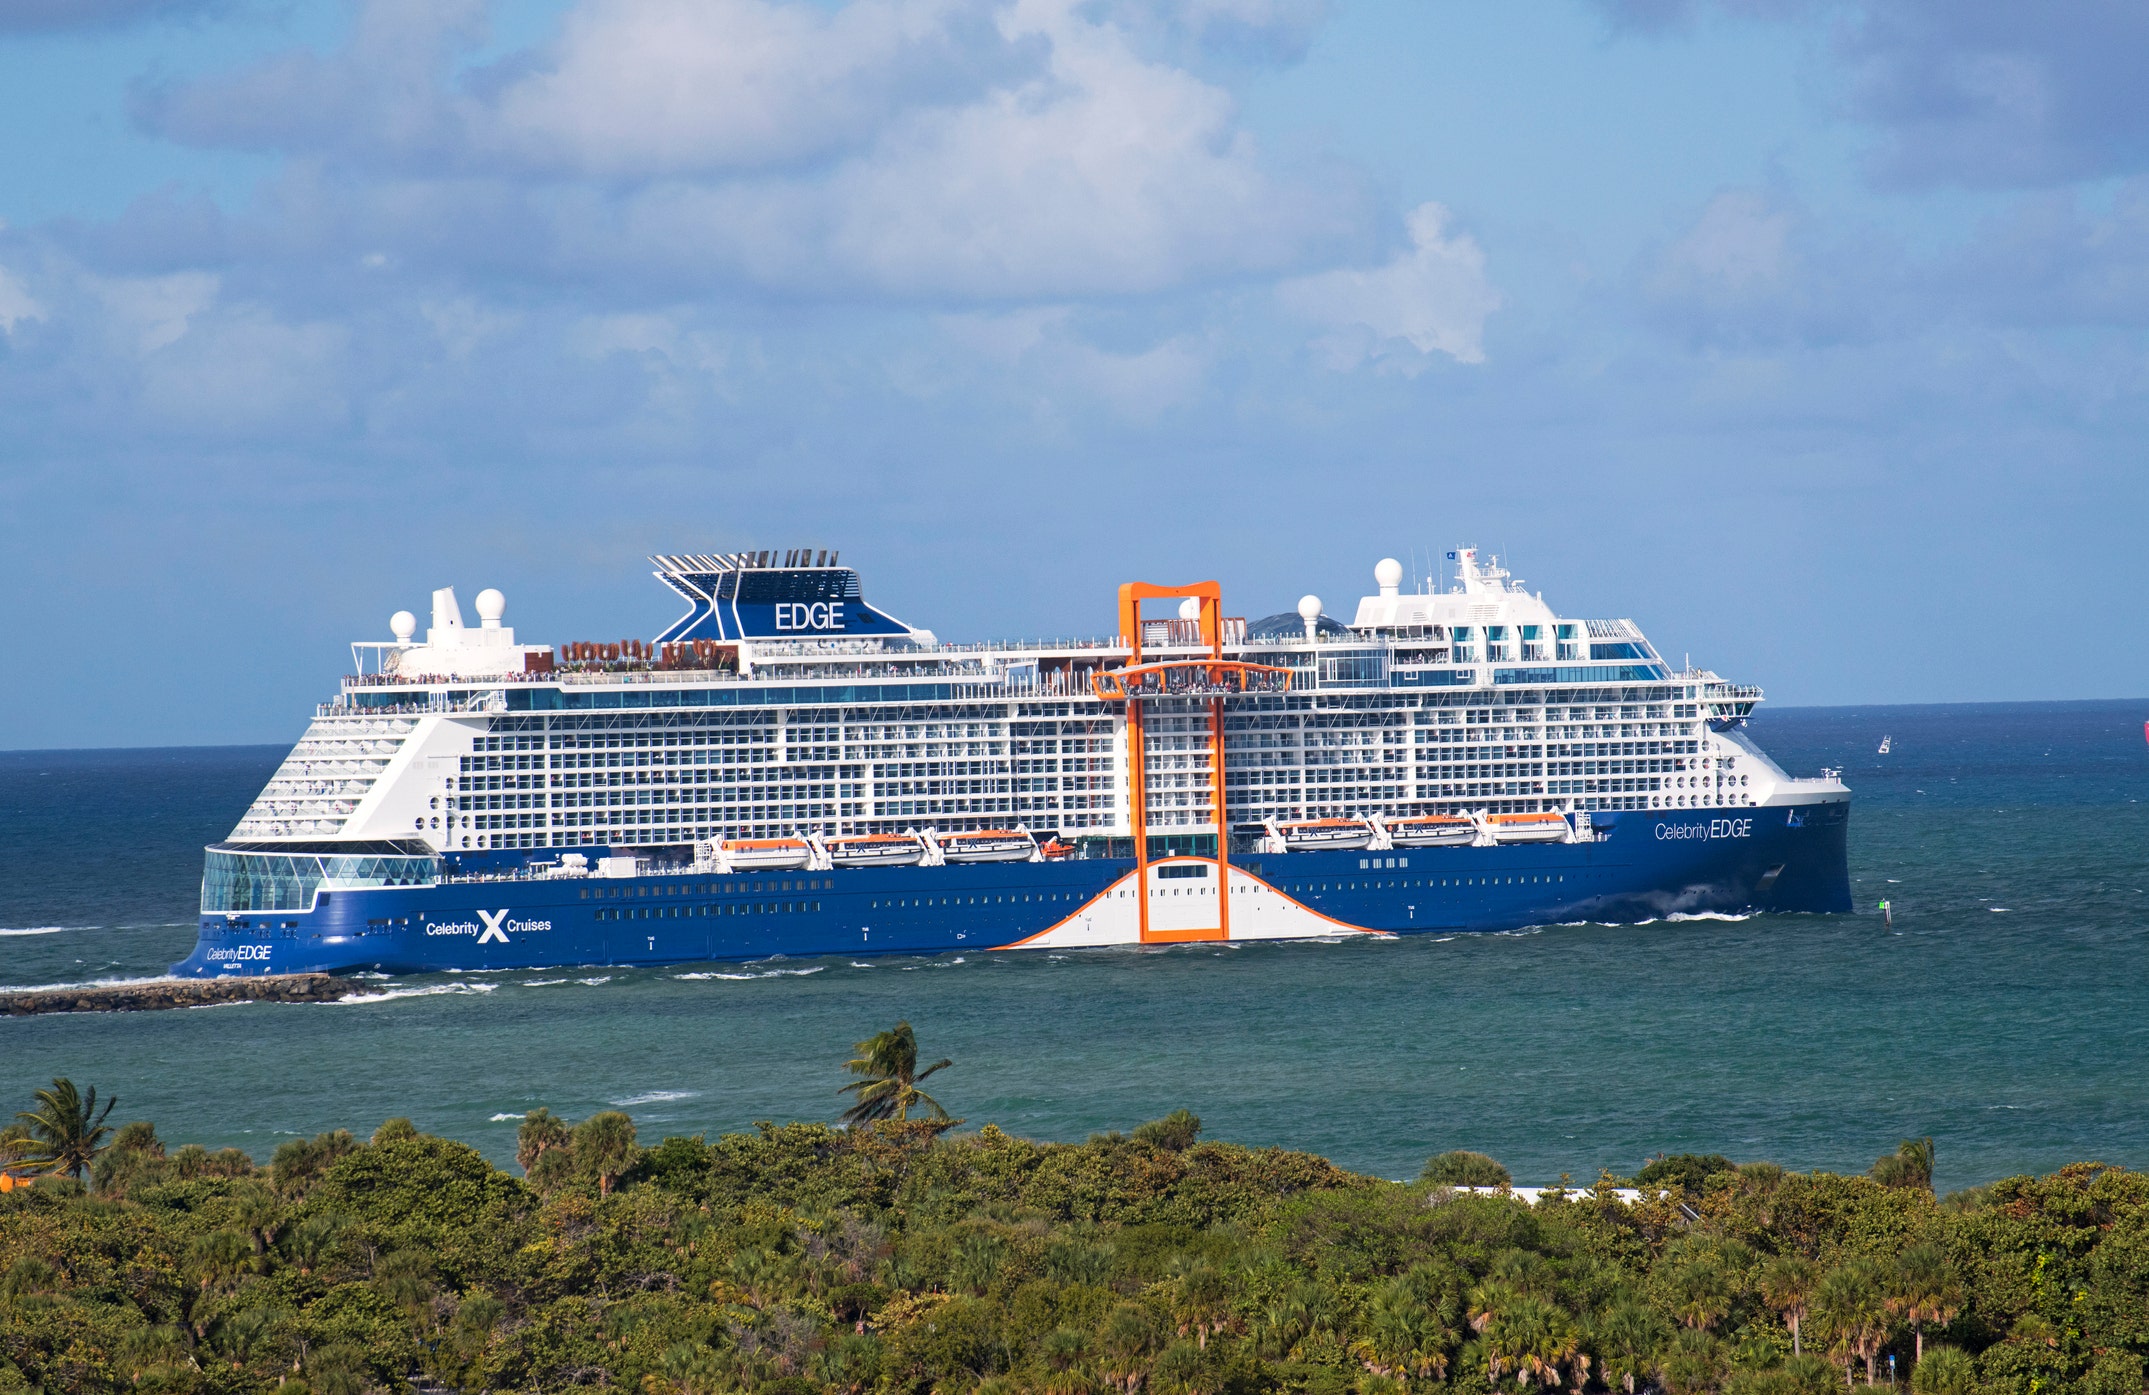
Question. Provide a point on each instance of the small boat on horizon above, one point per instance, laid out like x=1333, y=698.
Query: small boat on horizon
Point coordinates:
x=1886, y=742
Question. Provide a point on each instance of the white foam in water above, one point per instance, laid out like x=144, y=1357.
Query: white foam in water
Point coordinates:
x=657, y=1097
x=431, y=991
x=503, y=1118
x=44, y=930
x=766, y=973
x=89, y=983
x=1676, y=916
x=593, y=982
x=541, y=982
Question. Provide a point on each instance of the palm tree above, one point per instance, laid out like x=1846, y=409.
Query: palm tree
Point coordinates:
x=1910, y=1165
x=1926, y=1290
x=1535, y=1340
x=1628, y=1338
x=67, y=1130
x=603, y=1146
x=1700, y=1294
x=1787, y=1286
x=887, y=1087
x=540, y=1132
x=1405, y=1337
x=1851, y=1302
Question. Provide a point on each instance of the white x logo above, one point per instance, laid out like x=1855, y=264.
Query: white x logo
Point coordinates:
x=492, y=921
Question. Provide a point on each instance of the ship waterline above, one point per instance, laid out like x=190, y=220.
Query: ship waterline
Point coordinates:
x=471, y=802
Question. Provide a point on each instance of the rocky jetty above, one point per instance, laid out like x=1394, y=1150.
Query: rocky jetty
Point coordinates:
x=181, y=992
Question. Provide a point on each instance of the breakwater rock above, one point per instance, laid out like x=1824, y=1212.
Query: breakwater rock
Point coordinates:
x=180, y=993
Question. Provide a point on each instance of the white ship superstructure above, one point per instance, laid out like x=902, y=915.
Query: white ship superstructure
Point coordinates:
x=1478, y=698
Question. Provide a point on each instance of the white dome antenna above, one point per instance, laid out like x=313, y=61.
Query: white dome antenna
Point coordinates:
x=1190, y=608
x=402, y=625
x=1389, y=574
x=491, y=606
x=1309, y=610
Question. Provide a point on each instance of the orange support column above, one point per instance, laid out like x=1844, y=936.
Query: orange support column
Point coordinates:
x=1223, y=829
x=1138, y=808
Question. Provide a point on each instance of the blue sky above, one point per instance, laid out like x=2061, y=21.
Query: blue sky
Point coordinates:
x=1809, y=335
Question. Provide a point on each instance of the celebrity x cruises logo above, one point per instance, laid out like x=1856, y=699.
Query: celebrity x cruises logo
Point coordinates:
x=492, y=921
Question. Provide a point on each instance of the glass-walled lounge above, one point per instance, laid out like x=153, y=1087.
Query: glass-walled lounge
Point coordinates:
x=284, y=876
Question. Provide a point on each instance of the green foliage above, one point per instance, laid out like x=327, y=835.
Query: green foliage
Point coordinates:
x=887, y=1085
x=894, y=1258
x=66, y=1131
x=1462, y=1168
x=1176, y=1131
x=1910, y=1165
x=1688, y=1171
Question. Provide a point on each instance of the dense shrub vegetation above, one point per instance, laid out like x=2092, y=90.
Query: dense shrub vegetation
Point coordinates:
x=900, y=1258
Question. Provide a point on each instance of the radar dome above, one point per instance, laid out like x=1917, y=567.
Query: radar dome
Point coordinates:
x=1190, y=608
x=1309, y=608
x=402, y=625
x=1389, y=573
x=491, y=606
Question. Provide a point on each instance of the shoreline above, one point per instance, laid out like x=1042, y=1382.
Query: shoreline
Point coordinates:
x=156, y=995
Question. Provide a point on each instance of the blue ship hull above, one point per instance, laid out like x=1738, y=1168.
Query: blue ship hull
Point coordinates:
x=1647, y=865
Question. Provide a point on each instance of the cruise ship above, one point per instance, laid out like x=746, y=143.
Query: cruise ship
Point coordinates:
x=789, y=770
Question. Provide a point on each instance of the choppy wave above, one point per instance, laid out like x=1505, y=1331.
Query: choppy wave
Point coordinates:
x=593, y=982
x=540, y=982
x=432, y=990
x=1677, y=916
x=46, y=929
x=86, y=983
x=503, y=1118
x=656, y=1097
x=764, y=973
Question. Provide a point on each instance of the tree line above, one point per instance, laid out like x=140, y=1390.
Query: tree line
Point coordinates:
x=899, y=1254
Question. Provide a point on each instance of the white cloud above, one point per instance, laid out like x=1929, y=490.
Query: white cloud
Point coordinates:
x=1435, y=298
x=636, y=88
x=966, y=149
x=16, y=304
x=1741, y=246
x=155, y=310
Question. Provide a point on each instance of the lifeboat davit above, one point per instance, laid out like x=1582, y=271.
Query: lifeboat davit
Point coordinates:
x=874, y=850
x=988, y=845
x=766, y=854
x=1326, y=835
x=1527, y=828
x=1431, y=831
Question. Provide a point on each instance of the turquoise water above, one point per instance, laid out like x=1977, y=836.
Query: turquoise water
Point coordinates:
x=2007, y=1014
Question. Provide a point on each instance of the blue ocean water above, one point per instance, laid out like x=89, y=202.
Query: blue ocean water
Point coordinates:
x=2006, y=1014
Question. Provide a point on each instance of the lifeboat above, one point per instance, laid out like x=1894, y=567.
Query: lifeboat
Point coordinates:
x=988, y=845
x=1326, y=835
x=874, y=850
x=1431, y=831
x=1527, y=828
x=766, y=854
x=1056, y=851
